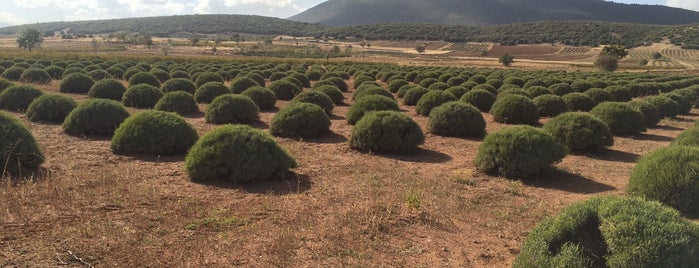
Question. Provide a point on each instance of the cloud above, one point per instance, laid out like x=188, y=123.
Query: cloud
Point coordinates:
x=687, y=4
x=266, y=3
x=9, y=18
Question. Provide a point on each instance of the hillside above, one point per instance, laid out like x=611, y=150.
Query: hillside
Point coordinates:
x=489, y=12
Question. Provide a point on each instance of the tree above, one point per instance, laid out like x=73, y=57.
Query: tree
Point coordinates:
x=616, y=51
x=483, y=53
x=420, y=49
x=506, y=60
x=194, y=41
x=30, y=38
x=166, y=47
x=657, y=55
x=607, y=63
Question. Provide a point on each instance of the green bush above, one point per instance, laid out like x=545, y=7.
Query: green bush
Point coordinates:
x=621, y=118
x=144, y=78
x=619, y=93
x=536, y=91
x=456, y=119
x=395, y=85
x=561, y=89
x=432, y=99
x=95, y=117
x=263, y=97
x=178, y=84
x=665, y=105
x=579, y=102
x=36, y=76
x=4, y=84
x=337, y=82
x=512, y=91
x=209, y=91
x=427, y=82
x=515, y=109
x=579, y=131
x=438, y=86
x=685, y=104
x=206, y=77
x=13, y=73
x=18, y=148
x=386, y=132
x=300, y=120
x=284, y=90
x=179, y=102
x=689, y=137
x=55, y=72
x=368, y=91
x=317, y=98
x=333, y=92
x=612, y=232
x=77, y=83
x=480, y=98
x=115, y=72
x=518, y=152
x=413, y=95
x=237, y=153
x=107, y=89
x=18, y=98
x=162, y=75
x=581, y=86
x=487, y=87
x=142, y=96
x=599, y=95
x=232, y=109
x=457, y=91
x=50, y=108
x=154, y=133
x=650, y=113
x=367, y=104
x=550, y=105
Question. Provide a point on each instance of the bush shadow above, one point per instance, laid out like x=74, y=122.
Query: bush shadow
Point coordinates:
x=259, y=125
x=156, y=158
x=607, y=154
x=91, y=137
x=289, y=183
x=563, y=180
x=651, y=137
x=421, y=156
x=670, y=128
x=197, y=114
x=336, y=117
x=26, y=175
x=328, y=138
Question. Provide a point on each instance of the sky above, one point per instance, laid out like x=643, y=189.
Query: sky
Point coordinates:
x=16, y=12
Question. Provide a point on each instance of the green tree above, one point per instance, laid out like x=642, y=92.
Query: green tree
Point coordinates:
x=29, y=39
x=420, y=49
x=657, y=55
x=194, y=41
x=616, y=51
x=607, y=63
x=506, y=60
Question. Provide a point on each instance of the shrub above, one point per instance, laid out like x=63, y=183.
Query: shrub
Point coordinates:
x=317, y=98
x=650, y=113
x=621, y=118
x=50, y=108
x=141, y=96
x=337, y=82
x=263, y=97
x=480, y=98
x=115, y=72
x=489, y=88
x=536, y=91
x=669, y=175
x=18, y=98
x=78, y=83
x=456, y=119
x=4, y=84
x=579, y=131
x=578, y=102
x=284, y=90
x=581, y=86
x=300, y=120
x=144, y=78
x=333, y=92
x=518, y=152
x=457, y=91
x=179, y=102
x=18, y=148
x=386, y=132
x=368, y=91
x=107, y=89
x=515, y=109
x=154, y=133
x=367, y=104
x=438, y=86
x=206, y=77
x=231, y=109
x=209, y=91
x=178, y=84
x=550, y=105
x=612, y=232
x=689, y=137
x=427, y=82
x=684, y=104
x=36, y=76
x=665, y=105
x=599, y=95
x=13, y=73
x=395, y=85
x=513, y=91
x=162, y=75
x=413, y=95
x=95, y=117
x=55, y=72
x=432, y=99
x=402, y=90
x=619, y=93
x=561, y=89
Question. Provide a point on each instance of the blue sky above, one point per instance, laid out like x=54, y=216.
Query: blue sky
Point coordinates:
x=16, y=12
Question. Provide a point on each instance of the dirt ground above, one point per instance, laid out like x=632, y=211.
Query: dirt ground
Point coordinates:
x=340, y=208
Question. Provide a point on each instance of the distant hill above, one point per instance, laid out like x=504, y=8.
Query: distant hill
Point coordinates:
x=3, y=25
x=489, y=12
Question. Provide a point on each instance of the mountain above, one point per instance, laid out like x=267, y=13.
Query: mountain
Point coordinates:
x=489, y=12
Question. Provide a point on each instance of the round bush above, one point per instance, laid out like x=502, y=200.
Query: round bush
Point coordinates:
x=599, y=95
x=263, y=97
x=621, y=118
x=107, y=89
x=78, y=83
x=413, y=95
x=162, y=75
x=619, y=93
x=209, y=91
x=300, y=120
x=232, y=109
x=665, y=105
x=386, y=132
x=333, y=92
x=95, y=117
x=395, y=85
x=50, y=108
x=457, y=91
x=438, y=86
x=579, y=102
x=178, y=84
x=689, y=137
x=317, y=98
x=515, y=109
x=18, y=148
x=612, y=231
x=4, y=84
x=144, y=78
x=550, y=105
x=367, y=104
x=579, y=131
x=179, y=102
x=18, y=98
x=368, y=91
x=237, y=153
x=206, y=77
x=402, y=90
x=669, y=175
x=456, y=119
x=518, y=152
x=561, y=89
x=337, y=82
x=142, y=96
x=432, y=99
x=685, y=104
x=284, y=90
x=13, y=73
x=154, y=133
x=650, y=113
x=240, y=84
x=36, y=76
x=480, y=98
